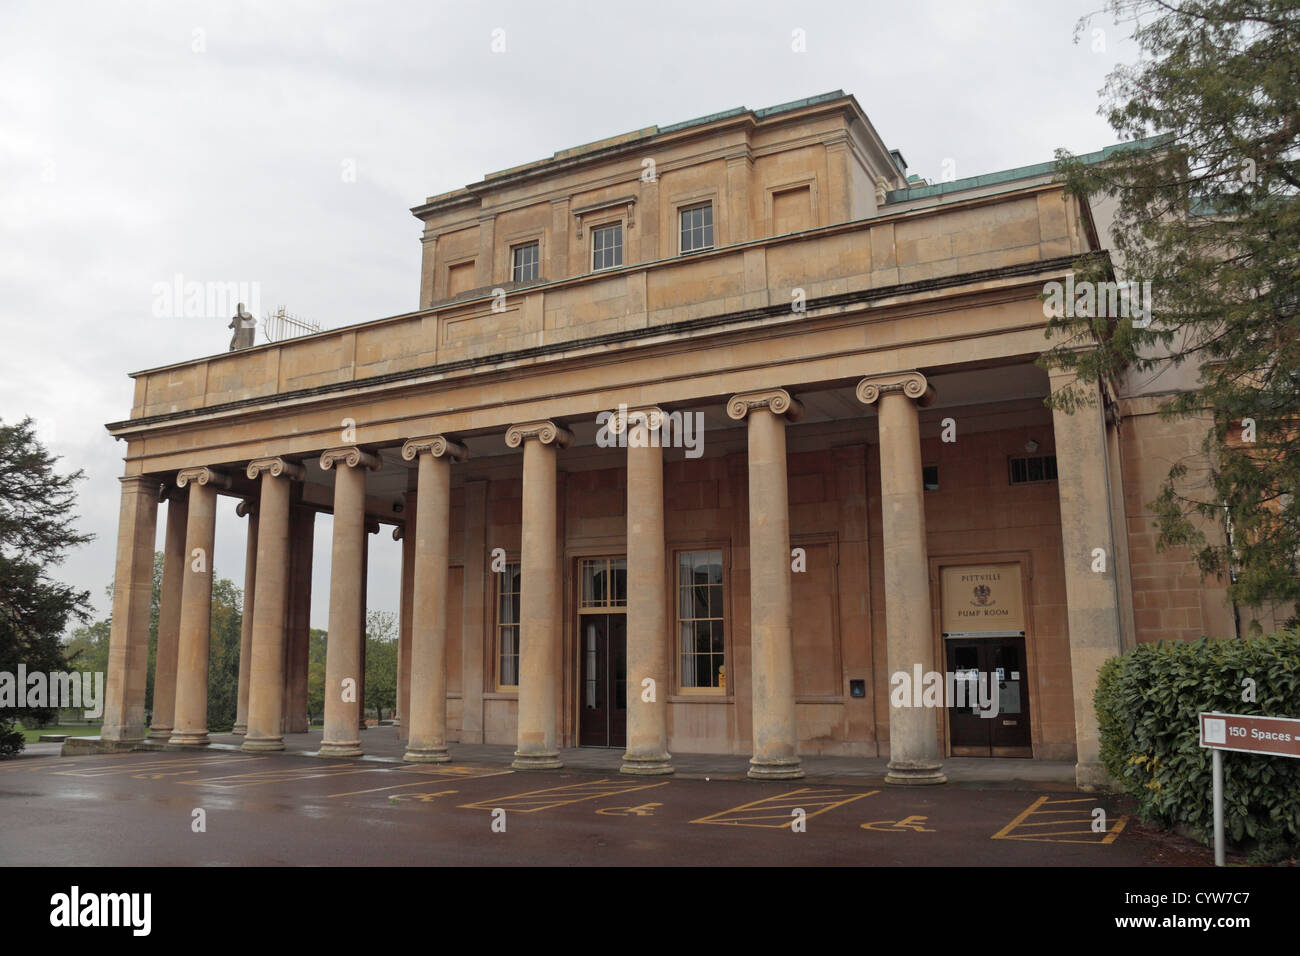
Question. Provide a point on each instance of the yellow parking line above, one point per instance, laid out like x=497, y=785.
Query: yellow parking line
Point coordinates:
x=744, y=815
x=534, y=801
x=418, y=783
x=1019, y=828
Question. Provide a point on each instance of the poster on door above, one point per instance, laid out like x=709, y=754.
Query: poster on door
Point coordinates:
x=982, y=600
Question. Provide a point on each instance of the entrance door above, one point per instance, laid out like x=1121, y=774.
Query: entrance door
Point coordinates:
x=974, y=662
x=603, y=685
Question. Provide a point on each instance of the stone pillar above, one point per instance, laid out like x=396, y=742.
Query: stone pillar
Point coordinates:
x=473, y=614
x=914, y=750
x=406, y=535
x=427, y=742
x=1091, y=595
x=266, y=684
x=647, y=595
x=302, y=534
x=128, y=642
x=196, y=607
x=169, y=615
x=343, y=651
x=771, y=616
x=539, y=592
x=247, y=509
x=372, y=527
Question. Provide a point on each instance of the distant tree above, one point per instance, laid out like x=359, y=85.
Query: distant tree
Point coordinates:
x=36, y=532
x=381, y=662
x=226, y=630
x=316, y=674
x=1209, y=215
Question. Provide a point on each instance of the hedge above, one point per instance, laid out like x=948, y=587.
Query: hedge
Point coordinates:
x=1147, y=702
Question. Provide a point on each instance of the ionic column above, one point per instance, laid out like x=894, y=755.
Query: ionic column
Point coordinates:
x=247, y=509
x=1092, y=599
x=128, y=642
x=406, y=535
x=302, y=533
x=647, y=595
x=427, y=732
x=539, y=591
x=169, y=614
x=771, y=617
x=196, y=606
x=914, y=751
x=347, y=599
x=270, y=612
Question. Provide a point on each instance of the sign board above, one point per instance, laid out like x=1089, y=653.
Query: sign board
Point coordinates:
x=1272, y=736
x=982, y=600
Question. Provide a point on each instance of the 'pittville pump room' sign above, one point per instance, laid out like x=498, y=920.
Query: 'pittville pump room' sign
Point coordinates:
x=983, y=600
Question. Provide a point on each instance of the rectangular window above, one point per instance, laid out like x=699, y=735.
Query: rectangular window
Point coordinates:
x=700, y=621
x=1027, y=470
x=524, y=262
x=508, y=627
x=604, y=583
x=607, y=246
x=697, y=228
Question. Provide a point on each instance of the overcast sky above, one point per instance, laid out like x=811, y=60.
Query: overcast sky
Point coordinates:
x=144, y=140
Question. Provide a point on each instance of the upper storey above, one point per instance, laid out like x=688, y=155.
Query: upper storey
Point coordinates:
x=656, y=194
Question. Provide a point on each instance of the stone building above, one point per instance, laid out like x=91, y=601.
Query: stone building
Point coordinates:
x=699, y=436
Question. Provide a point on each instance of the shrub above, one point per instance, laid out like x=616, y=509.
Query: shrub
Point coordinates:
x=12, y=740
x=1147, y=703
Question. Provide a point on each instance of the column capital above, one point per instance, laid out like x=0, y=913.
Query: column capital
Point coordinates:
x=399, y=532
x=202, y=476
x=438, y=446
x=349, y=455
x=246, y=508
x=912, y=384
x=650, y=417
x=546, y=432
x=169, y=492
x=276, y=467
x=775, y=400
x=372, y=526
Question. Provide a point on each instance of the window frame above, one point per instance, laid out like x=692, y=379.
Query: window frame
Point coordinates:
x=692, y=206
x=514, y=248
x=679, y=688
x=497, y=644
x=621, y=225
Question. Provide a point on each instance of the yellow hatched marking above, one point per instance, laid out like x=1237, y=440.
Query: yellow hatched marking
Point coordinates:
x=536, y=800
x=459, y=772
x=154, y=766
x=260, y=777
x=1019, y=828
x=748, y=814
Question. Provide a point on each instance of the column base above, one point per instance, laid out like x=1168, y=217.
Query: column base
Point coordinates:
x=160, y=733
x=1091, y=777
x=536, y=761
x=647, y=765
x=240, y=730
x=775, y=768
x=261, y=744
x=197, y=739
x=915, y=773
x=340, y=748
x=427, y=755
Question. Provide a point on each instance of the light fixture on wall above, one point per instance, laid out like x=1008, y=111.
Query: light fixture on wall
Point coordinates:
x=1031, y=446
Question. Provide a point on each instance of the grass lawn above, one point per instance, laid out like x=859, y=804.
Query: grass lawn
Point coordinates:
x=79, y=730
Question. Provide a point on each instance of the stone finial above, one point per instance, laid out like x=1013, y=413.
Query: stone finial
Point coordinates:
x=546, y=432
x=775, y=400
x=912, y=384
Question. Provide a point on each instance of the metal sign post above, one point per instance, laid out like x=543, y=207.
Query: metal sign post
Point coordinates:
x=1271, y=736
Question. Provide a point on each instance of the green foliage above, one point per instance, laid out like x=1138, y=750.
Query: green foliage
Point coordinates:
x=1147, y=702
x=36, y=531
x=225, y=632
x=381, y=662
x=1207, y=212
x=316, y=675
x=12, y=740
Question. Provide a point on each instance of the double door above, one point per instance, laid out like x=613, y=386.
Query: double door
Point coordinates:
x=992, y=669
x=602, y=686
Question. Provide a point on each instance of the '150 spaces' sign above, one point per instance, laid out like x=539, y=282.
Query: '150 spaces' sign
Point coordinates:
x=1274, y=736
